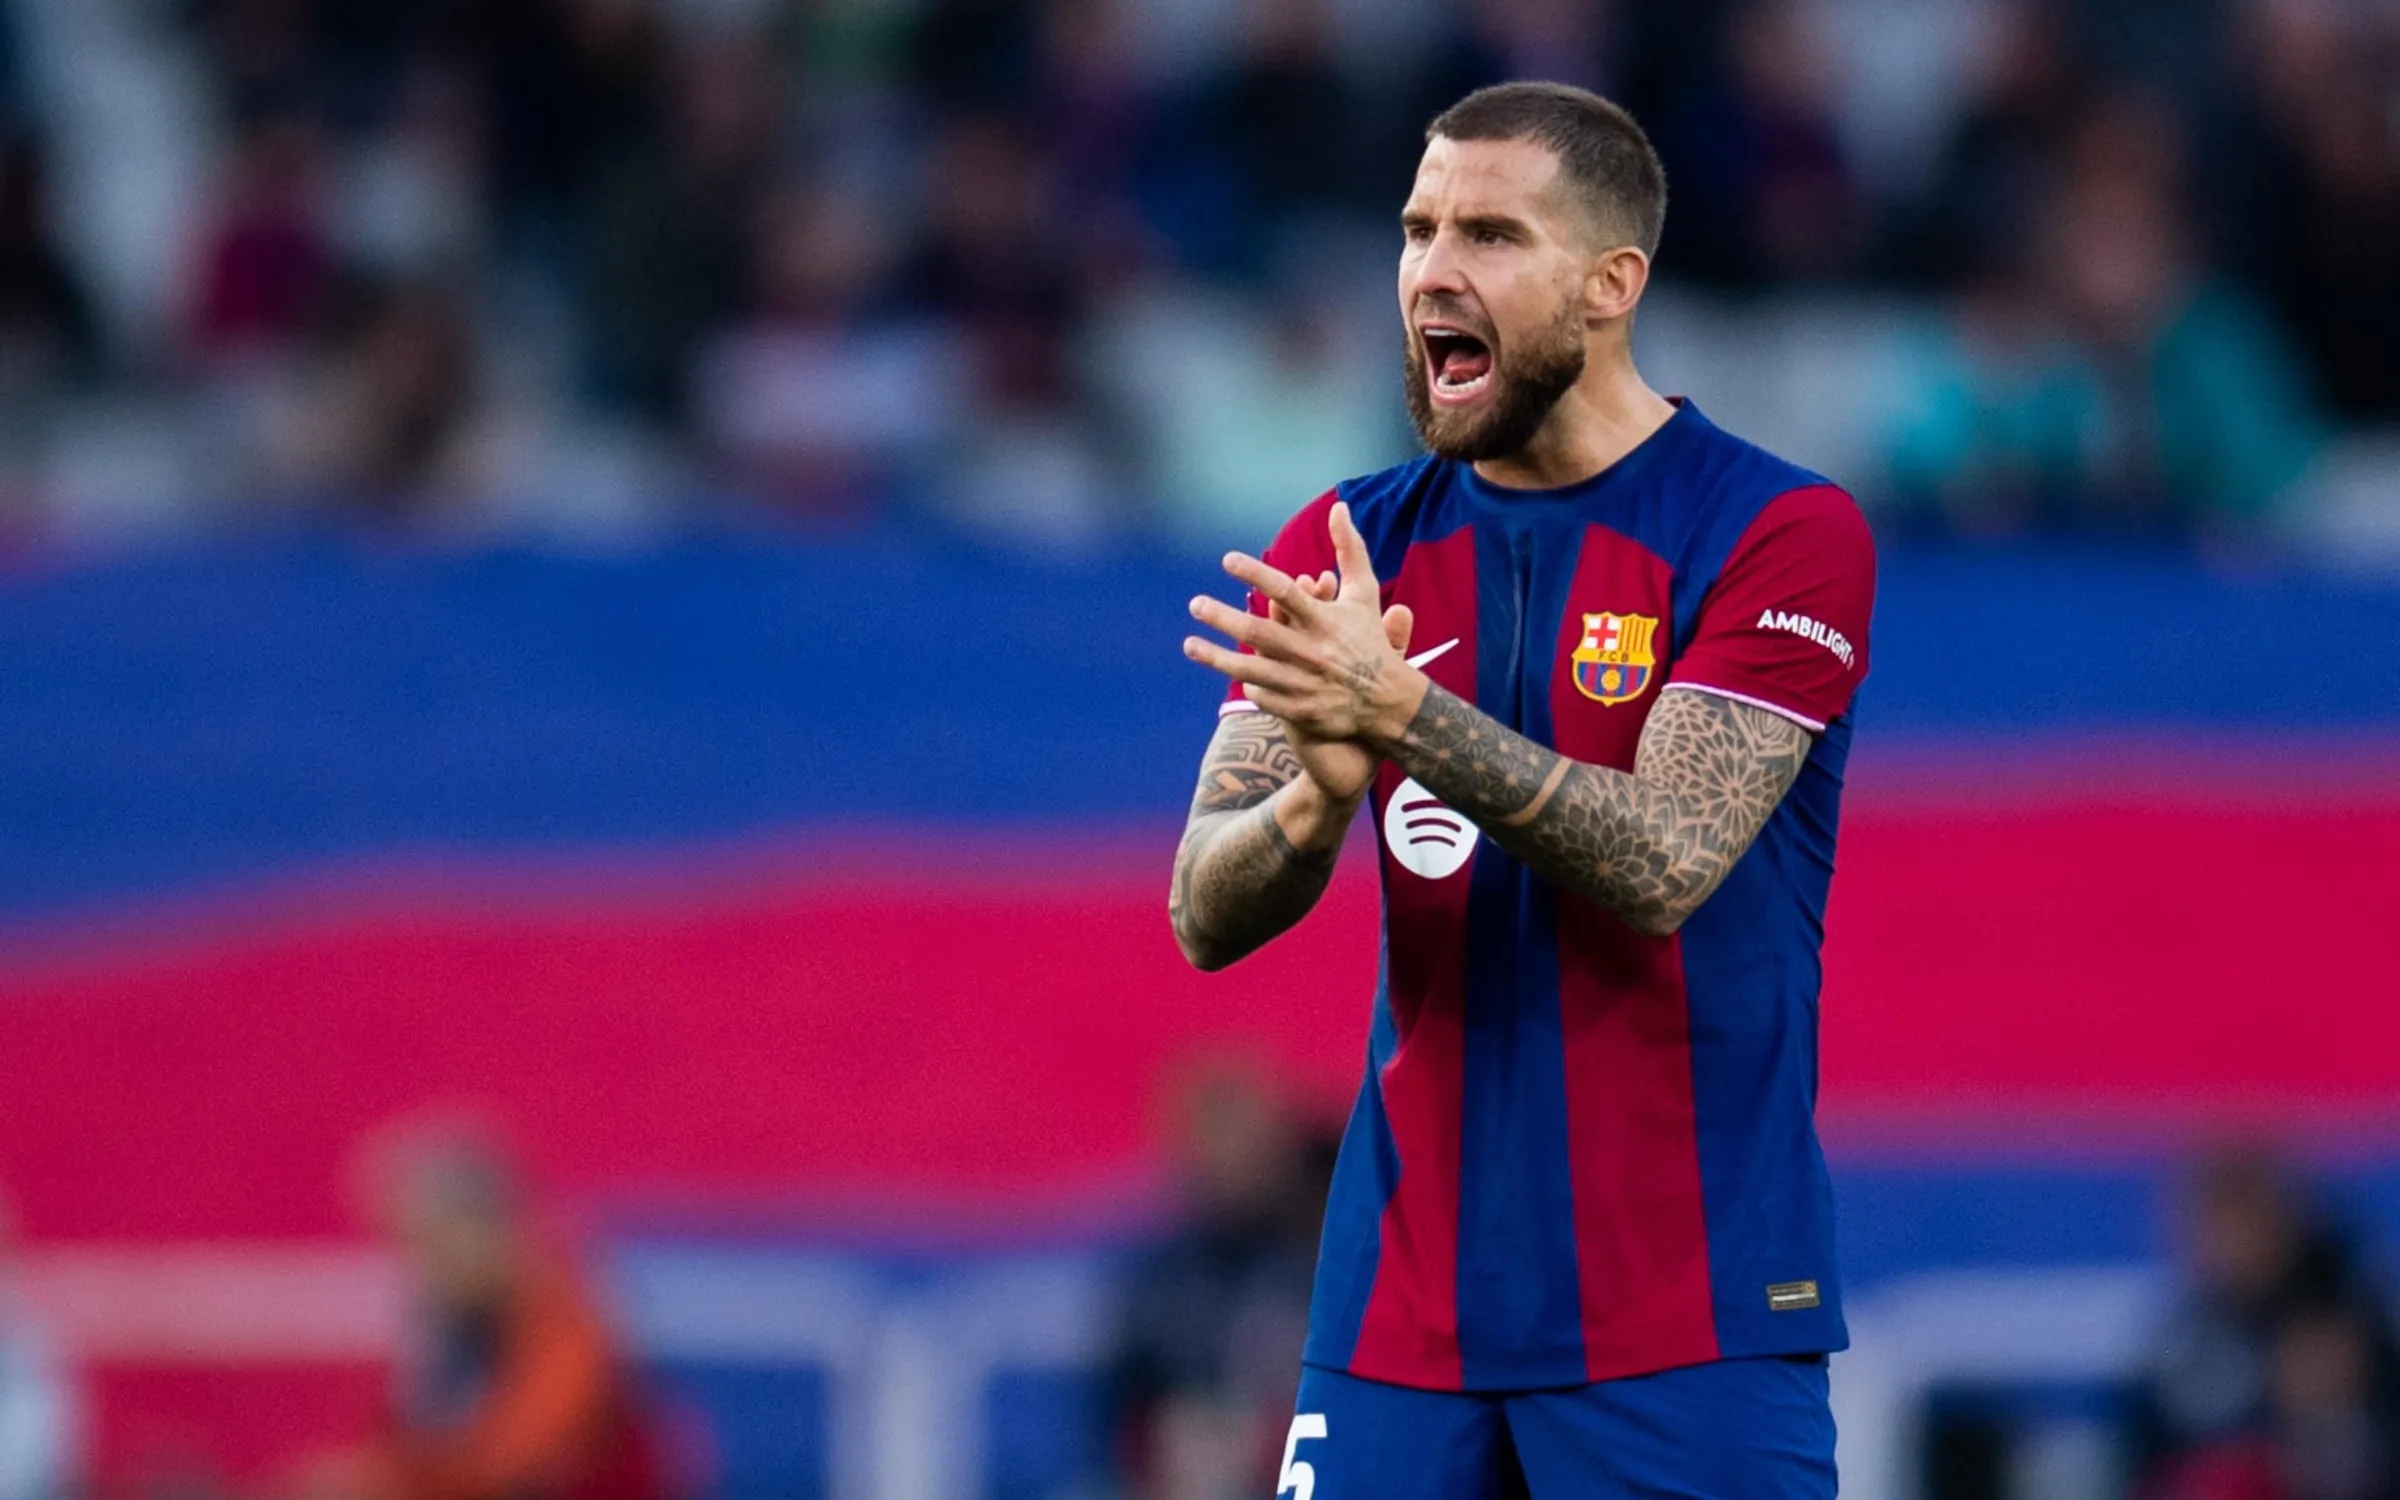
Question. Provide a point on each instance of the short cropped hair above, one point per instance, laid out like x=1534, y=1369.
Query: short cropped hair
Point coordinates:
x=1604, y=158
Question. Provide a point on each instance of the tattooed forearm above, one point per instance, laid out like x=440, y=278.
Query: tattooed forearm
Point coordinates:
x=1649, y=846
x=1248, y=761
x=1239, y=882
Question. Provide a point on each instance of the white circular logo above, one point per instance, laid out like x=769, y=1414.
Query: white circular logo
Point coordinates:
x=1424, y=835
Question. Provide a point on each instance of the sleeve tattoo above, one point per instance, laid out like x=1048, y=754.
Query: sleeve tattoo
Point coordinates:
x=1239, y=882
x=1649, y=846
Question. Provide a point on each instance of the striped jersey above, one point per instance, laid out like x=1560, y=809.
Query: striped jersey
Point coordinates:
x=1581, y=1153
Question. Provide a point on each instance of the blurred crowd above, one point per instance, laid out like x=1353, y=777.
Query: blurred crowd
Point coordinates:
x=2272, y=1373
x=2277, y=1376
x=508, y=1382
x=1213, y=1313
x=512, y=1377
x=1067, y=267
x=2270, y=1369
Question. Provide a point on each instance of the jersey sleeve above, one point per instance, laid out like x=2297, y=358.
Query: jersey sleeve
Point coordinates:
x=1784, y=627
x=1304, y=546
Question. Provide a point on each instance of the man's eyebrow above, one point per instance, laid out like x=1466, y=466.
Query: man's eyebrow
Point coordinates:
x=1507, y=225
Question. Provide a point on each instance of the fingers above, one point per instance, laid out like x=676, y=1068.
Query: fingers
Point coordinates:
x=1277, y=586
x=1399, y=623
x=1350, y=550
x=1246, y=667
x=1270, y=701
x=1320, y=586
x=1272, y=636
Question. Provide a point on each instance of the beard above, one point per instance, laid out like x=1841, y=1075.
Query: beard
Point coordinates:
x=1529, y=379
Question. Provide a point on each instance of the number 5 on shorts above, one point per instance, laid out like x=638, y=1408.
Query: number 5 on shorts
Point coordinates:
x=1300, y=1479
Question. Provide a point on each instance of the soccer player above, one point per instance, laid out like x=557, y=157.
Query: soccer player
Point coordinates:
x=1591, y=661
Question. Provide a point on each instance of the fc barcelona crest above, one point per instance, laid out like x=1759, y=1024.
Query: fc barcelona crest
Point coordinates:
x=1616, y=659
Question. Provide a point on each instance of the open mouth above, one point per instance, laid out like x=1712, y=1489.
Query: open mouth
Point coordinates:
x=1458, y=362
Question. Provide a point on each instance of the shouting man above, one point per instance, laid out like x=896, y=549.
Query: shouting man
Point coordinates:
x=1590, y=661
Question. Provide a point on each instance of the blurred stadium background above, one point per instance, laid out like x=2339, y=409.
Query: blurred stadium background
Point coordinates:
x=610, y=570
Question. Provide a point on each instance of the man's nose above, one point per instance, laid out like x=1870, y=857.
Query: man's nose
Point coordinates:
x=1441, y=271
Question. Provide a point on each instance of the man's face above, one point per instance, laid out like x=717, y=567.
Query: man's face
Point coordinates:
x=1492, y=266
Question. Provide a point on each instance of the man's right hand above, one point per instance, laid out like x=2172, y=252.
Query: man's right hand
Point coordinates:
x=1266, y=826
x=1342, y=770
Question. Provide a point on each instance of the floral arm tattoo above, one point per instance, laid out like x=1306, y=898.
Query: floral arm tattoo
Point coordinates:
x=1239, y=882
x=1649, y=846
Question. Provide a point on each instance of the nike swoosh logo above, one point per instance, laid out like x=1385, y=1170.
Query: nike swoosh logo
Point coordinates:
x=1422, y=657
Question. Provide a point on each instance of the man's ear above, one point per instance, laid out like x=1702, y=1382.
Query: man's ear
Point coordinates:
x=1614, y=284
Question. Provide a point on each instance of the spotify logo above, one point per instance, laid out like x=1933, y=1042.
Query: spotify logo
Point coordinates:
x=1424, y=835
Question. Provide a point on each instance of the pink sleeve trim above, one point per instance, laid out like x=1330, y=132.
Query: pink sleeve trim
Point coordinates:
x=1813, y=726
x=1236, y=706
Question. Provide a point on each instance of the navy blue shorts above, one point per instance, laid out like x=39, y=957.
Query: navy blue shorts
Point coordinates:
x=1739, y=1429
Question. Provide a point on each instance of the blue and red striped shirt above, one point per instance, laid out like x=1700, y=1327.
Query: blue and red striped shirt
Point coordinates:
x=1581, y=1153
